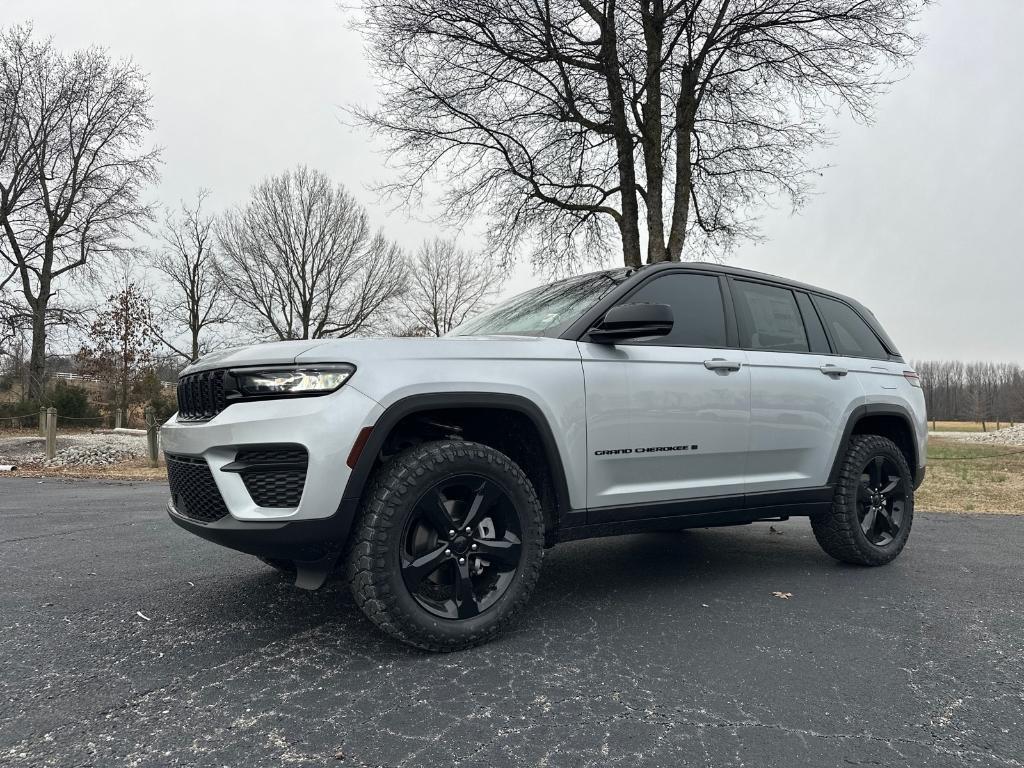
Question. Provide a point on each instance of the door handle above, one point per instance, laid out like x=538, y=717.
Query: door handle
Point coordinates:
x=833, y=370
x=721, y=364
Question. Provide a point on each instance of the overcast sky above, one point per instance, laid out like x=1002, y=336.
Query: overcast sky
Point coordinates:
x=920, y=215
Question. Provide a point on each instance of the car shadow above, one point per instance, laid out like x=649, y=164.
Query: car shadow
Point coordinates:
x=577, y=579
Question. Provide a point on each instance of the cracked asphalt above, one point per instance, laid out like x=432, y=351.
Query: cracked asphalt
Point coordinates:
x=125, y=641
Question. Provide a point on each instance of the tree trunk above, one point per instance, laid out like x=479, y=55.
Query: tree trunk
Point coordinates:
x=37, y=358
x=651, y=131
x=629, y=222
x=686, y=112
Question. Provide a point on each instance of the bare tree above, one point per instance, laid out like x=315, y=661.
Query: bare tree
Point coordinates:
x=446, y=285
x=302, y=257
x=121, y=343
x=570, y=122
x=196, y=301
x=72, y=167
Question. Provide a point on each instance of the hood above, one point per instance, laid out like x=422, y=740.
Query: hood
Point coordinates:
x=455, y=348
x=364, y=351
x=271, y=353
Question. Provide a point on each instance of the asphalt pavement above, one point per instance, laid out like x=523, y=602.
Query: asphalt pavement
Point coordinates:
x=126, y=642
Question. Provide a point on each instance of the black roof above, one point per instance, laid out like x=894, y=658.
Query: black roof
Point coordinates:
x=725, y=269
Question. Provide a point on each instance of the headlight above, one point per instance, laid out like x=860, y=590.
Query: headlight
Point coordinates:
x=284, y=381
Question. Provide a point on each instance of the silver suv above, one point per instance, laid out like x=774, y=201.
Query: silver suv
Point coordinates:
x=436, y=471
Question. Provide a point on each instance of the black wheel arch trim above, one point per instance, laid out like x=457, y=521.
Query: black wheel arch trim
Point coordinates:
x=360, y=475
x=877, y=409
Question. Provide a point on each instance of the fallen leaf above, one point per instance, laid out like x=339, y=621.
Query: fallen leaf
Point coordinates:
x=783, y=595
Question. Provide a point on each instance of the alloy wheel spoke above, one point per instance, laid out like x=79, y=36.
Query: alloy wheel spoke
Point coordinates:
x=868, y=523
x=890, y=522
x=503, y=551
x=465, y=599
x=895, y=481
x=875, y=471
x=435, y=512
x=486, y=495
x=415, y=571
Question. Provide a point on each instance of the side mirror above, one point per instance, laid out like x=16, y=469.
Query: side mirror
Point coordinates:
x=632, y=321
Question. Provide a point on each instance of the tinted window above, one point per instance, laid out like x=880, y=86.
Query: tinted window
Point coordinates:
x=768, y=318
x=815, y=331
x=697, y=311
x=850, y=334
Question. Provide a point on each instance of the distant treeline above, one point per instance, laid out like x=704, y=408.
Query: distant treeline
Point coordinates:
x=985, y=392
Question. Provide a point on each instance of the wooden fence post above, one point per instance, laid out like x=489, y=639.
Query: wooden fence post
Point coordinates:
x=118, y=415
x=152, y=436
x=51, y=432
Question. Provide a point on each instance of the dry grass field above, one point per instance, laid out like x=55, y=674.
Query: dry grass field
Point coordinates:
x=964, y=426
x=135, y=469
x=968, y=477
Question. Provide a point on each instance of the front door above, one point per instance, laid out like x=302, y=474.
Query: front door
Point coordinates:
x=668, y=418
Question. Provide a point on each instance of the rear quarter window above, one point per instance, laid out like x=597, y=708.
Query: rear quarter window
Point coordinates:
x=851, y=336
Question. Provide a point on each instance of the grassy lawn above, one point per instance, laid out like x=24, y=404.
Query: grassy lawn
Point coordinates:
x=961, y=479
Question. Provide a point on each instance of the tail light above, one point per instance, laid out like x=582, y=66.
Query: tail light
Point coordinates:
x=913, y=378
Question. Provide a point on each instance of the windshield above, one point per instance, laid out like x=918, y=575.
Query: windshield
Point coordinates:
x=544, y=311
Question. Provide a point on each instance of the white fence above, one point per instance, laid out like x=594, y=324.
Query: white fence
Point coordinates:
x=97, y=380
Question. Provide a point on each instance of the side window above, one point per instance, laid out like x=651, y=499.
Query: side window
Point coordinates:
x=768, y=318
x=851, y=335
x=697, y=309
x=815, y=330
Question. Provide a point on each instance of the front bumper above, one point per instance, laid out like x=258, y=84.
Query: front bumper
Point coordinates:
x=325, y=426
x=301, y=541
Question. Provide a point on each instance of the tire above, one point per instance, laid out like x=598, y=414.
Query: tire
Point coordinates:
x=864, y=526
x=286, y=567
x=469, y=596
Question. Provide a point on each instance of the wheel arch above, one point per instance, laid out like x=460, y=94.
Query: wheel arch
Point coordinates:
x=886, y=420
x=402, y=412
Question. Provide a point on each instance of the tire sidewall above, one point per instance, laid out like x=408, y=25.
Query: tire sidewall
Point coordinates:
x=411, y=620
x=863, y=452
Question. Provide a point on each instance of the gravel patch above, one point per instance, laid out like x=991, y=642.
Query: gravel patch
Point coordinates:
x=1006, y=436
x=86, y=449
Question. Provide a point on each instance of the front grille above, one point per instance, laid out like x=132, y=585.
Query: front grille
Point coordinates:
x=201, y=396
x=193, y=490
x=274, y=476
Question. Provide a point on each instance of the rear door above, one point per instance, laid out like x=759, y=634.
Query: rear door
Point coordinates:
x=801, y=395
x=859, y=350
x=667, y=418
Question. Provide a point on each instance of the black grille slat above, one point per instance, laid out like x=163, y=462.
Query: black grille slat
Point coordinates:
x=201, y=396
x=275, y=489
x=194, y=492
x=274, y=476
x=272, y=455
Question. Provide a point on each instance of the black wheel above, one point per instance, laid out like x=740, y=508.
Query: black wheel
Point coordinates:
x=448, y=547
x=286, y=567
x=873, y=507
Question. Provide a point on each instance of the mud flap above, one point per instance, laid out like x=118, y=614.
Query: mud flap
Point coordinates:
x=311, y=574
